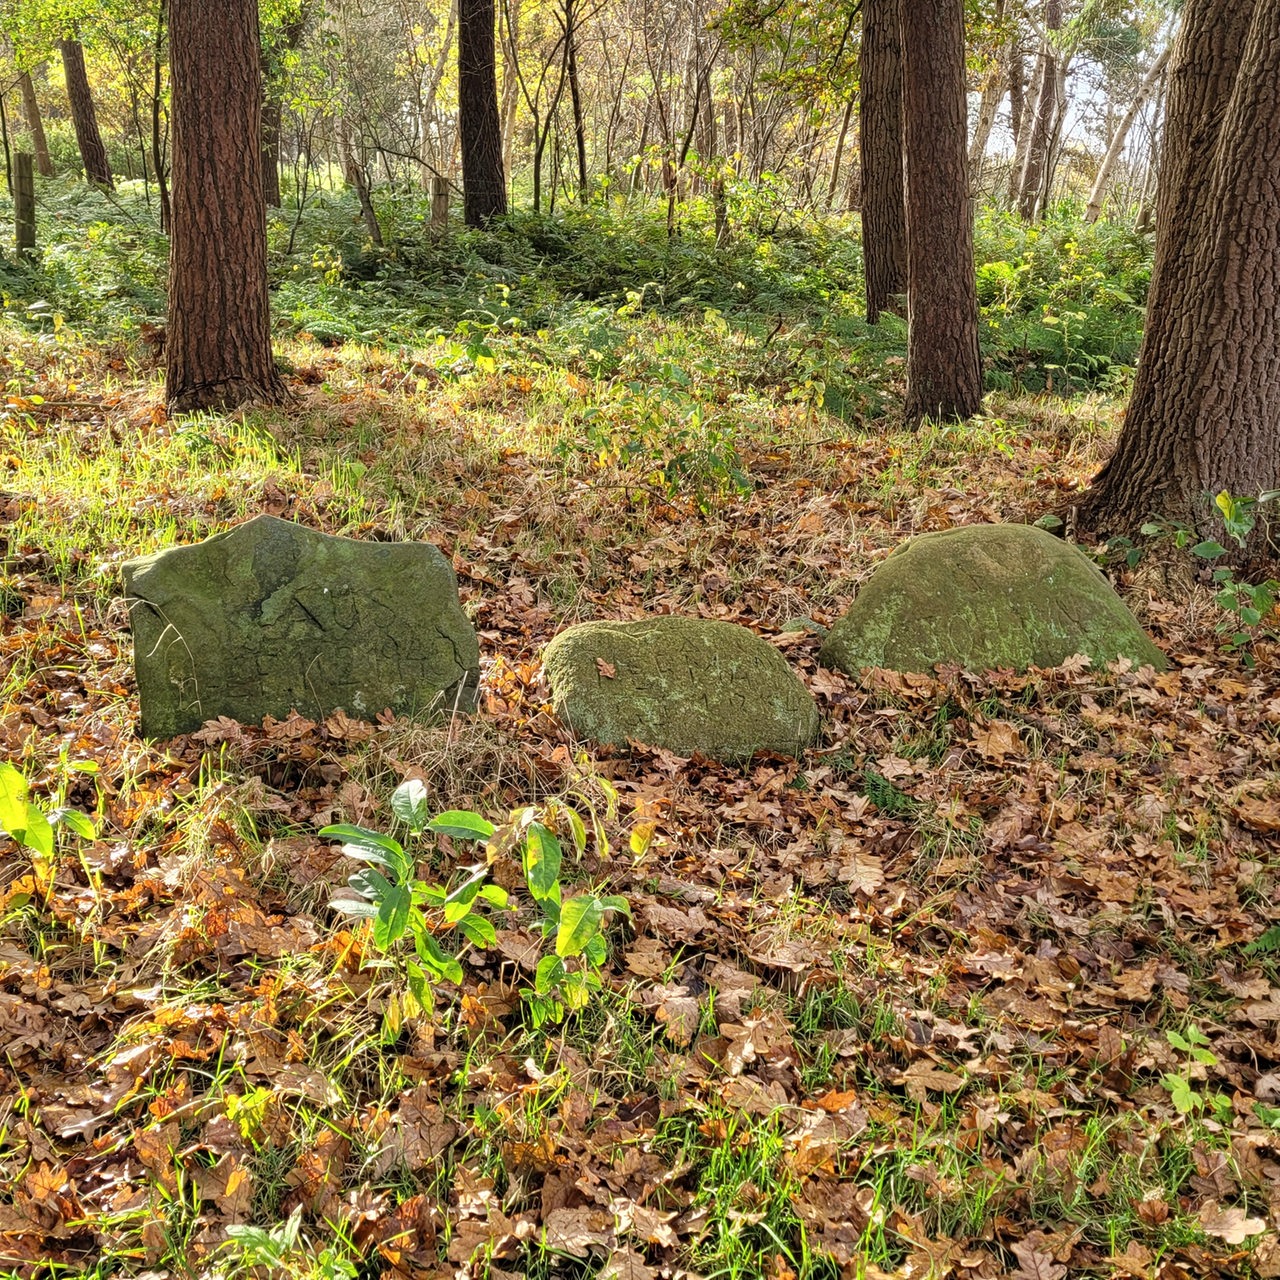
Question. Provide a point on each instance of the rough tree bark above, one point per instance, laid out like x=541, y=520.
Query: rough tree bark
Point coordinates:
x=1205, y=410
x=93, y=155
x=219, y=338
x=484, y=187
x=35, y=125
x=944, y=368
x=1094, y=208
x=884, y=219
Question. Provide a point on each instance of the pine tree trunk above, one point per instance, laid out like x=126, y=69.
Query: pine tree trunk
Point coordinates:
x=35, y=126
x=1205, y=410
x=1094, y=208
x=884, y=222
x=944, y=368
x=484, y=188
x=93, y=155
x=219, y=339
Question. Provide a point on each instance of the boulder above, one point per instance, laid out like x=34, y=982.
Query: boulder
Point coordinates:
x=274, y=616
x=686, y=684
x=986, y=597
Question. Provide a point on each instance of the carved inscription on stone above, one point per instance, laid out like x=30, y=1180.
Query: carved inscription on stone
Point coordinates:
x=274, y=616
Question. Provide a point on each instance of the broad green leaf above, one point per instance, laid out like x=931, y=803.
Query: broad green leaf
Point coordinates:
x=495, y=894
x=372, y=884
x=542, y=859
x=1180, y=1091
x=1208, y=549
x=466, y=892
x=409, y=804
x=13, y=799
x=548, y=974
x=419, y=985
x=577, y=829
x=1150, y=530
x=579, y=922
x=461, y=824
x=393, y=917
x=371, y=846
x=354, y=907
x=616, y=902
x=442, y=965
x=77, y=821
x=478, y=931
x=38, y=835
x=597, y=950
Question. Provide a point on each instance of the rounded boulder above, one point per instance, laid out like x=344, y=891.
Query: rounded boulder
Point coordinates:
x=686, y=684
x=986, y=597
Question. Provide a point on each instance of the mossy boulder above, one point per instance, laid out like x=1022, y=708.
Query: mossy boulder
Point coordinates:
x=273, y=616
x=686, y=684
x=986, y=597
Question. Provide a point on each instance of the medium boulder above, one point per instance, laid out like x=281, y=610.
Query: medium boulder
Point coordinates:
x=985, y=597
x=274, y=616
x=686, y=684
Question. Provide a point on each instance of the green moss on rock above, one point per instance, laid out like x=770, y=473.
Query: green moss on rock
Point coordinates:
x=686, y=684
x=986, y=597
x=274, y=616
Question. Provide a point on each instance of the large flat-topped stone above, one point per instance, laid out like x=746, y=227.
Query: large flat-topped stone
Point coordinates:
x=686, y=684
x=274, y=616
x=986, y=597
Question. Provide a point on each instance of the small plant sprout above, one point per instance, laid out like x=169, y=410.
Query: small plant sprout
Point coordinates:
x=389, y=894
x=34, y=828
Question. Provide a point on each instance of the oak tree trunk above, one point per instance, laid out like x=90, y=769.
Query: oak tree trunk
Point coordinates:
x=944, y=368
x=219, y=338
x=35, y=125
x=884, y=218
x=484, y=187
x=93, y=155
x=1205, y=410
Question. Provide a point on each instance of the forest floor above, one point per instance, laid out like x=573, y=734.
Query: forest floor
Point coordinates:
x=987, y=984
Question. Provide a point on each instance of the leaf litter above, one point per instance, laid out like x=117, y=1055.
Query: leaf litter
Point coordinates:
x=900, y=1008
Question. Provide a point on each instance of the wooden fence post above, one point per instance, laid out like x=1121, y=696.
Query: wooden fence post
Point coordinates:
x=24, y=204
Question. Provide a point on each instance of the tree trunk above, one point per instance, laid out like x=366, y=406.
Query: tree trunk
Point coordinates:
x=944, y=368
x=1031, y=183
x=575, y=96
x=484, y=188
x=93, y=155
x=884, y=218
x=834, y=185
x=157, y=105
x=219, y=340
x=35, y=126
x=993, y=88
x=272, y=119
x=1205, y=410
x=1094, y=208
